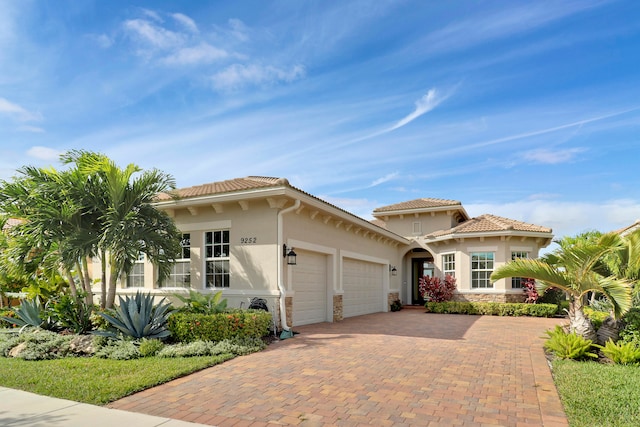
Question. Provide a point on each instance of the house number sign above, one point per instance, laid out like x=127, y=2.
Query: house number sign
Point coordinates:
x=248, y=240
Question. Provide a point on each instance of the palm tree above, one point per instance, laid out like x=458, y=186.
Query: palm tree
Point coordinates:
x=129, y=223
x=573, y=268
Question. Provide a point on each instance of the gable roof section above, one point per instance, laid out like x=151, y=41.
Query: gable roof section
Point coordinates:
x=222, y=187
x=241, y=187
x=424, y=203
x=490, y=224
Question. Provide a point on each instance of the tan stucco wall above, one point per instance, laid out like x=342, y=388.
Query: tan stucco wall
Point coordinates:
x=429, y=222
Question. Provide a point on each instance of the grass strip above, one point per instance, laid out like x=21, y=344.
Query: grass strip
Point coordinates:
x=97, y=381
x=596, y=394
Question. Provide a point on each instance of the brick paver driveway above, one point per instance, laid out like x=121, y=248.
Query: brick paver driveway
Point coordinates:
x=404, y=368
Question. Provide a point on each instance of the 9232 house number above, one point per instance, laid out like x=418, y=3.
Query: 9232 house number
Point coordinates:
x=248, y=240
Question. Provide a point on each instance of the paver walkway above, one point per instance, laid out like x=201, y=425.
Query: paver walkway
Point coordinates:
x=402, y=369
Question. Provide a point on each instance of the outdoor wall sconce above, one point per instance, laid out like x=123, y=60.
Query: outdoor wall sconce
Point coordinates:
x=289, y=254
x=393, y=270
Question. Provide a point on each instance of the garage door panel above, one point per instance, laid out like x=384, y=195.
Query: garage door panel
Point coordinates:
x=362, y=284
x=310, y=288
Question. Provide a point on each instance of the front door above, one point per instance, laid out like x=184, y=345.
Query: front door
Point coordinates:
x=420, y=267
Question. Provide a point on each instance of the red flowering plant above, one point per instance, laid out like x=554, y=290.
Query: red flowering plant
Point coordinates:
x=529, y=289
x=434, y=289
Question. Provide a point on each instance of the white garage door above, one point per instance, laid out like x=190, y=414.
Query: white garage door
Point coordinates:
x=362, y=284
x=310, y=288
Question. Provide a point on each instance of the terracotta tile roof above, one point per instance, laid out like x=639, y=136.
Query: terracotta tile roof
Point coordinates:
x=491, y=223
x=628, y=229
x=424, y=203
x=379, y=223
x=228, y=186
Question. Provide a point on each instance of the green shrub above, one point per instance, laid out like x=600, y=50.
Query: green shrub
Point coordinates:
x=187, y=327
x=150, y=347
x=38, y=344
x=631, y=331
x=31, y=313
x=492, y=308
x=596, y=317
x=231, y=347
x=197, y=302
x=6, y=318
x=623, y=353
x=568, y=346
x=71, y=314
x=118, y=350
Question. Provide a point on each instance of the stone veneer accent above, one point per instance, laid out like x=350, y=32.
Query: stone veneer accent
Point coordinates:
x=482, y=297
x=391, y=297
x=337, y=308
x=288, y=304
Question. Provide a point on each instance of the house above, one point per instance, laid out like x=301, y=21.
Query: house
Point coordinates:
x=241, y=235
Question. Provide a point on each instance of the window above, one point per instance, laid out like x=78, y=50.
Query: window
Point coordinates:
x=516, y=282
x=481, y=269
x=216, y=248
x=135, y=278
x=180, y=276
x=449, y=264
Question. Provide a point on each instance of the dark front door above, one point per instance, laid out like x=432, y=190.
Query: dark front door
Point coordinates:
x=420, y=267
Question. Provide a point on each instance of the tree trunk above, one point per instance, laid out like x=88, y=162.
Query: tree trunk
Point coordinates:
x=113, y=280
x=578, y=322
x=103, y=280
x=72, y=284
x=86, y=282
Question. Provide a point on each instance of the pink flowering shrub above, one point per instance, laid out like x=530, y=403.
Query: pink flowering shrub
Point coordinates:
x=529, y=289
x=434, y=289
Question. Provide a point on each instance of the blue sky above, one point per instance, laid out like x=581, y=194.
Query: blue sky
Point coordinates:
x=529, y=110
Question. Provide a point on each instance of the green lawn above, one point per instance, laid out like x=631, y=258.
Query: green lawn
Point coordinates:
x=97, y=381
x=598, y=395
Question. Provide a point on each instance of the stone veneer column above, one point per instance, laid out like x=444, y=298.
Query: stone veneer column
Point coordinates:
x=391, y=297
x=337, y=308
x=288, y=304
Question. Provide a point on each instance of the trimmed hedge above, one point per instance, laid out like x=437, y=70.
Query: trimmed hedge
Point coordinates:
x=492, y=308
x=189, y=327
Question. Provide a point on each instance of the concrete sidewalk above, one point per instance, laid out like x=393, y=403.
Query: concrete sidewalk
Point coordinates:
x=21, y=409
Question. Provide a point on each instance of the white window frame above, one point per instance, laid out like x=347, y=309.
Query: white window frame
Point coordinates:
x=135, y=278
x=449, y=265
x=181, y=279
x=516, y=282
x=216, y=264
x=481, y=269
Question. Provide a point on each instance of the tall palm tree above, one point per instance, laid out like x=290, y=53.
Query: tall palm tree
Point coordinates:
x=573, y=268
x=129, y=223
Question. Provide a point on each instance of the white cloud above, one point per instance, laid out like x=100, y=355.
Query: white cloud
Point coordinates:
x=237, y=76
x=384, y=179
x=154, y=35
x=33, y=129
x=187, y=22
x=103, y=40
x=44, y=153
x=203, y=53
x=17, y=112
x=238, y=29
x=552, y=157
x=425, y=104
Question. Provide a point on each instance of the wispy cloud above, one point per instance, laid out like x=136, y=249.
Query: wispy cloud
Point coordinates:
x=187, y=22
x=237, y=76
x=552, y=157
x=384, y=179
x=17, y=112
x=152, y=35
x=500, y=24
x=33, y=129
x=428, y=102
x=44, y=153
x=200, y=54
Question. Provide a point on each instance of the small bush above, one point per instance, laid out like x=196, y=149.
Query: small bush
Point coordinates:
x=188, y=327
x=150, y=347
x=437, y=290
x=623, y=353
x=38, y=344
x=553, y=296
x=568, y=346
x=631, y=331
x=6, y=318
x=492, y=308
x=71, y=314
x=596, y=317
x=7, y=342
x=232, y=347
x=118, y=350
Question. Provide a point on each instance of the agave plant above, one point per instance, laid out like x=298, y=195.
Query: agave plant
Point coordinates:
x=30, y=313
x=137, y=317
